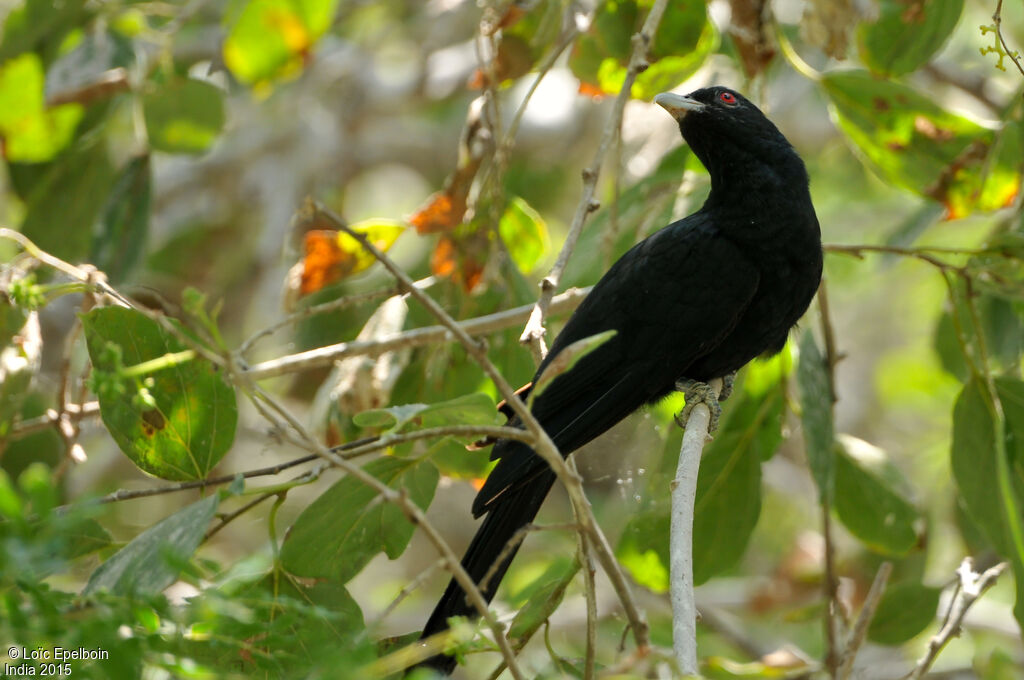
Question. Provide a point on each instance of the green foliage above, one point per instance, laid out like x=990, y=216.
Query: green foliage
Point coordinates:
x=905, y=610
x=816, y=401
x=905, y=36
x=871, y=509
x=315, y=548
x=183, y=115
x=166, y=144
x=152, y=560
x=184, y=421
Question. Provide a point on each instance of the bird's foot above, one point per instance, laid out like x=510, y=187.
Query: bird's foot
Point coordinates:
x=727, y=384
x=697, y=392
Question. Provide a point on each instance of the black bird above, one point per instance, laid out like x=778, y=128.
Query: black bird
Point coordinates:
x=696, y=300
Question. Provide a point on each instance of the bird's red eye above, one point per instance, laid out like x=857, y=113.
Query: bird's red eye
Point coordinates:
x=727, y=98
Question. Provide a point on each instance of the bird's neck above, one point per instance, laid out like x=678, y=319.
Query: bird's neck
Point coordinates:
x=774, y=178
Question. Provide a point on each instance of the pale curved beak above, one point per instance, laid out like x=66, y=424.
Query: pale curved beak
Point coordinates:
x=677, y=105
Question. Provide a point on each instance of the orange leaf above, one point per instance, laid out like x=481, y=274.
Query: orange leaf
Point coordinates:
x=442, y=212
x=325, y=262
x=451, y=260
x=591, y=90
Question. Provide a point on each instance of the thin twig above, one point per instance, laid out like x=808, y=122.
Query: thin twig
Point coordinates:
x=349, y=450
x=972, y=585
x=997, y=20
x=324, y=308
x=586, y=560
x=833, y=608
x=533, y=333
x=277, y=414
x=417, y=337
x=52, y=418
x=867, y=613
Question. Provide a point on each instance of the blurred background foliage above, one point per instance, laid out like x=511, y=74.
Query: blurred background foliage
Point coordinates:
x=170, y=145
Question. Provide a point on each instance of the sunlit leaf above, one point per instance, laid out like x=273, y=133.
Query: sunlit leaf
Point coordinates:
x=183, y=115
x=643, y=548
x=331, y=256
x=192, y=424
x=907, y=34
x=152, y=560
x=269, y=39
x=468, y=409
x=342, y=530
x=684, y=40
x=566, y=359
x=525, y=234
x=914, y=143
x=32, y=132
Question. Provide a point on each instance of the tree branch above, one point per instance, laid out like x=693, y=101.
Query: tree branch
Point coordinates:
x=684, y=496
x=533, y=334
x=417, y=337
x=970, y=587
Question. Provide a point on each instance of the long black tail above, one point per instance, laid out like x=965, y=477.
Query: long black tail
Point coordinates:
x=507, y=516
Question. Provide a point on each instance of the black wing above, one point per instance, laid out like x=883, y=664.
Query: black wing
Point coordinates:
x=672, y=299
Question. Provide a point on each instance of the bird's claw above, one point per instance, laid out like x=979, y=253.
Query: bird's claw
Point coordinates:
x=697, y=392
x=727, y=384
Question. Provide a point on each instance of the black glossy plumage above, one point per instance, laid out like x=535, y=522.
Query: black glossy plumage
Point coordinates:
x=698, y=299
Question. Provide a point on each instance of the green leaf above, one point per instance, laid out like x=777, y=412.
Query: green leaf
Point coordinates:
x=684, y=39
x=82, y=177
x=871, y=509
x=973, y=458
x=342, y=530
x=905, y=610
x=469, y=409
x=566, y=359
x=453, y=459
x=643, y=547
x=153, y=559
x=183, y=115
x=124, y=222
x=192, y=423
x=816, y=401
x=992, y=490
x=32, y=132
x=547, y=594
x=269, y=39
x=728, y=502
x=906, y=35
x=914, y=143
x=40, y=26
x=525, y=234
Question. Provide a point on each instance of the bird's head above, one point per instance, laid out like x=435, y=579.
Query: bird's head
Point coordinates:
x=726, y=131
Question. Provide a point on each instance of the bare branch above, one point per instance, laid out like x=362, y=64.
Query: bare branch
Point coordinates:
x=867, y=612
x=533, y=334
x=972, y=586
x=417, y=337
x=52, y=418
x=684, y=496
